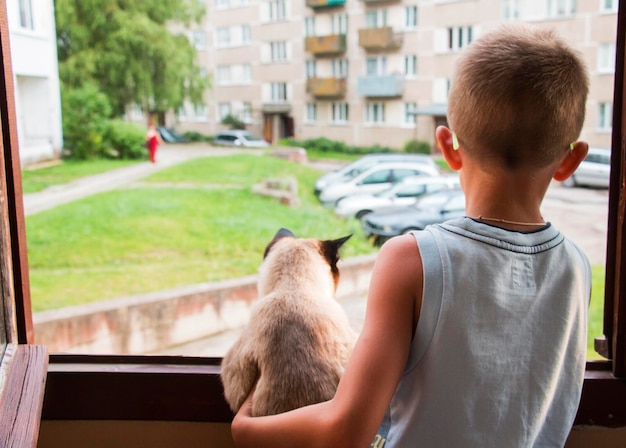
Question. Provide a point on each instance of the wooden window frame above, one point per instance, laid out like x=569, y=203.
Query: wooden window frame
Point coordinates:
x=173, y=388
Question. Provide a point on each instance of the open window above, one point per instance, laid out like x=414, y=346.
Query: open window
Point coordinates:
x=179, y=389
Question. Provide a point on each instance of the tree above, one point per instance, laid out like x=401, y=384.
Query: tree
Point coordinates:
x=127, y=49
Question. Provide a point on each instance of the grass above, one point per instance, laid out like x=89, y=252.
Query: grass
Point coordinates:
x=39, y=179
x=192, y=223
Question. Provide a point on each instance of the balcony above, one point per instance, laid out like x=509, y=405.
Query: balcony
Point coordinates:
x=319, y=4
x=326, y=87
x=325, y=45
x=387, y=86
x=376, y=39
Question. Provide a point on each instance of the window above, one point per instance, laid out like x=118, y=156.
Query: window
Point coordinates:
x=339, y=23
x=441, y=87
x=608, y=5
x=339, y=68
x=340, y=113
x=410, y=14
x=199, y=40
x=376, y=66
x=279, y=51
x=410, y=66
x=26, y=14
x=510, y=9
x=606, y=58
x=310, y=68
x=309, y=26
x=278, y=10
x=246, y=112
x=605, y=117
x=459, y=37
x=560, y=8
x=245, y=34
x=201, y=112
x=375, y=113
x=222, y=4
x=222, y=37
x=410, y=117
x=222, y=74
x=311, y=112
x=278, y=92
x=376, y=18
x=246, y=73
x=223, y=110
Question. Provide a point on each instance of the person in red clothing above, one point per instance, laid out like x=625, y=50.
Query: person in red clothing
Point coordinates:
x=153, y=139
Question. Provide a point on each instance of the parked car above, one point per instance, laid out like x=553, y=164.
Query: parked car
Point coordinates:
x=429, y=209
x=594, y=171
x=377, y=178
x=238, y=137
x=364, y=163
x=170, y=135
x=404, y=193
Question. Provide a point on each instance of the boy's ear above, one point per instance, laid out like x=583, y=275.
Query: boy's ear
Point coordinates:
x=444, y=139
x=571, y=161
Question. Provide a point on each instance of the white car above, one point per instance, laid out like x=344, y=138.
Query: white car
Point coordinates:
x=378, y=178
x=594, y=171
x=364, y=163
x=404, y=193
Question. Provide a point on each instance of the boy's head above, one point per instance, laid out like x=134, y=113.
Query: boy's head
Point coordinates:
x=518, y=97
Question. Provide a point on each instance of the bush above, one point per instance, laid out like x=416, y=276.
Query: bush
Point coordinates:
x=124, y=140
x=323, y=144
x=194, y=136
x=417, y=147
x=85, y=119
x=233, y=122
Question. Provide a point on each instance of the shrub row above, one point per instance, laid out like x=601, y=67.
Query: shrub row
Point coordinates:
x=323, y=144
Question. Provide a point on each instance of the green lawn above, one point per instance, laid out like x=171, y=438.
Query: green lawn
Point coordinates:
x=188, y=224
x=39, y=179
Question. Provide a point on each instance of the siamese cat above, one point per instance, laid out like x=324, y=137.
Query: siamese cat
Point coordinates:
x=299, y=338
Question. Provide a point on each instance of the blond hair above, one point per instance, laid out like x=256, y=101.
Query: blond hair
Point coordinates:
x=518, y=97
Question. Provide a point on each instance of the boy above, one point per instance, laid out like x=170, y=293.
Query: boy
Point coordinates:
x=476, y=335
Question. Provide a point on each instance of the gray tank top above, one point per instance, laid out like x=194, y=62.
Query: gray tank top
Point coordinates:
x=499, y=352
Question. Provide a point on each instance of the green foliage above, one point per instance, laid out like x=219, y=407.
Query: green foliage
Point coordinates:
x=125, y=140
x=85, y=121
x=127, y=49
x=233, y=122
x=417, y=147
x=194, y=136
x=325, y=145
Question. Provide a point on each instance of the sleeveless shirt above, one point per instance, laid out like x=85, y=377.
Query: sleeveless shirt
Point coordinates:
x=498, y=356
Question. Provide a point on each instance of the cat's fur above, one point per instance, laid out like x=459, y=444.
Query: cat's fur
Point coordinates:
x=298, y=339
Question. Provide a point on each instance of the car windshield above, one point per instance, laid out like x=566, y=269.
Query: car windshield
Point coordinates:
x=251, y=137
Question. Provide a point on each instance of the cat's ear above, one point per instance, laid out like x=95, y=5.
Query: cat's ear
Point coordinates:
x=282, y=233
x=330, y=248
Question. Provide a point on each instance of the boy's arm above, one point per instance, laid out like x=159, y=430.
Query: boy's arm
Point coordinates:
x=353, y=416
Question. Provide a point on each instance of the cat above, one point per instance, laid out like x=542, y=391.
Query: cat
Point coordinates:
x=299, y=337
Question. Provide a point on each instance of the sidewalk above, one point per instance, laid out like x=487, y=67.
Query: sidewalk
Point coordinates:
x=167, y=156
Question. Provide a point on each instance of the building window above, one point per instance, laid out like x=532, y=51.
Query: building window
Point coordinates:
x=459, y=37
x=410, y=116
x=222, y=74
x=375, y=113
x=311, y=112
x=278, y=10
x=245, y=34
x=201, y=112
x=606, y=58
x=246, y=73
x=376, y=18
x=246, y=113
x=309, y=26
x=608, y=5
x=560, y=8
x=441, y=87
x=310, y=67
x=605, y=117
x=339, y=23
x=278, y=92
x=376, y=66
x=339, y=68
x=410, y=66
x=510, y=9
x=340, y=112
x=222, y=4
x=410, y=13
x=199, y=40
x=223, y=110
x=222, y=37
x=278, y=51
x=26, y=14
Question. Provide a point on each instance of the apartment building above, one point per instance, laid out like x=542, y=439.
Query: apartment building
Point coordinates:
x=35, y=79
x=371, y=71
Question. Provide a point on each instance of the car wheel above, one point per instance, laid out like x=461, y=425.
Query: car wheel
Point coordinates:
x=361, y=213
x=569, y=182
